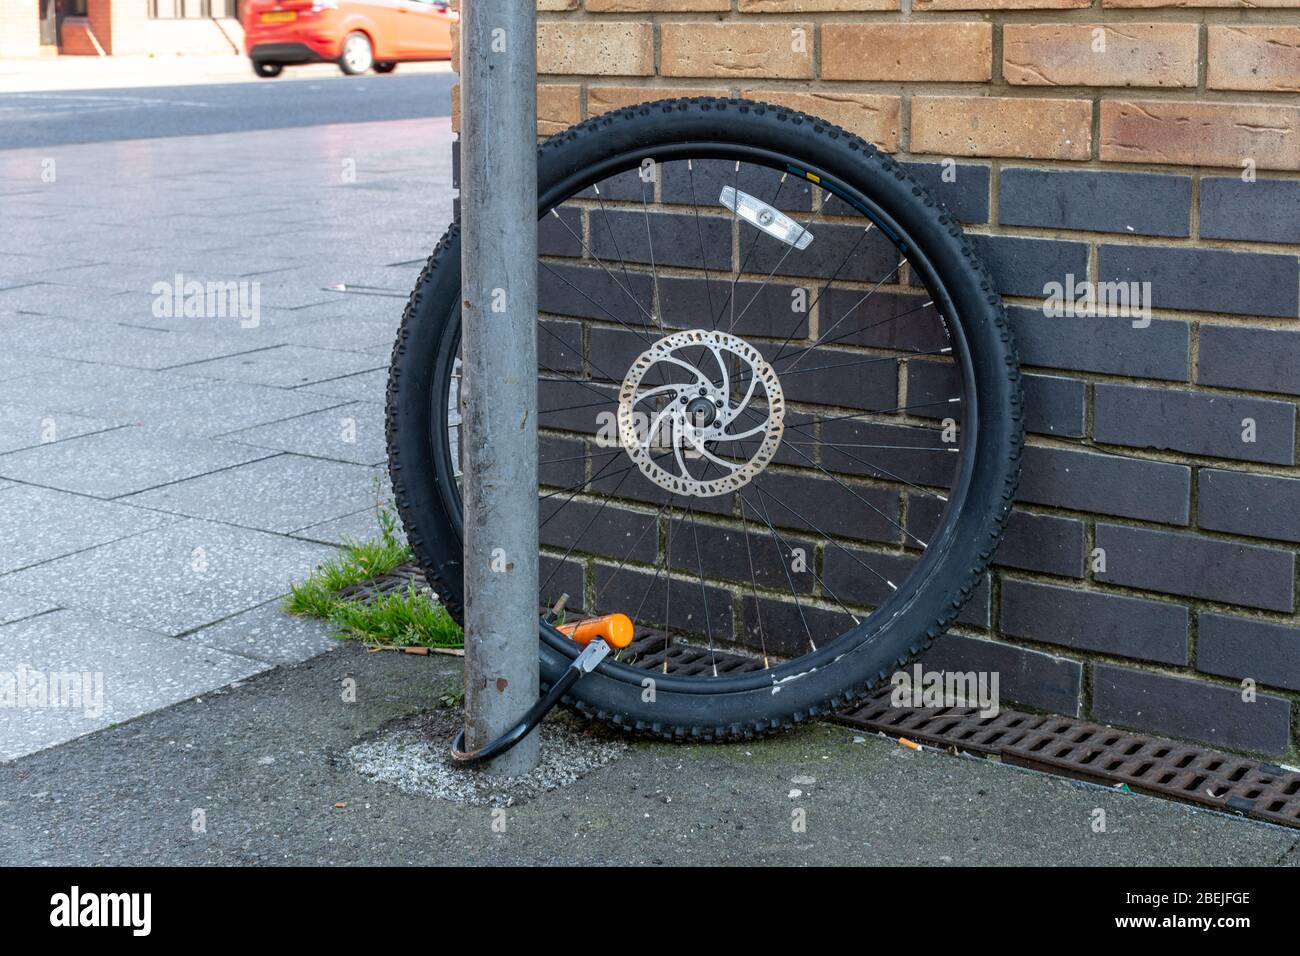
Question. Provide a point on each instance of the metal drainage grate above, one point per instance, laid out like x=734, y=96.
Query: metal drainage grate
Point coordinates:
x=1062, y=745
x=398, y=580
x=1096, y=753
x=652, y=651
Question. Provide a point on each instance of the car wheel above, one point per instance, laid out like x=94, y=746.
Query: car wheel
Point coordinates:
x=385, y=67
x=268, y=70
x=358, y=55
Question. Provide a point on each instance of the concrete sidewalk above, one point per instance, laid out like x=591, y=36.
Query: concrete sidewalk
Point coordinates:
x=166, y=474
x=263, y=768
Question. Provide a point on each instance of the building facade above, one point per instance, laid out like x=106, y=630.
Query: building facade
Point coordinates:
x=31, y=28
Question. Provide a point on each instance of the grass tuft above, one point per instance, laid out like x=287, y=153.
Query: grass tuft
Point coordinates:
x=404, y=619
x=399, y=619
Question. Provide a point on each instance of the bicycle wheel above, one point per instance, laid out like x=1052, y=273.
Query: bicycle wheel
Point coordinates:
x=780, y=414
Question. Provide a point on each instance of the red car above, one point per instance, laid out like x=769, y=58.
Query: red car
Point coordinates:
x=355, y=34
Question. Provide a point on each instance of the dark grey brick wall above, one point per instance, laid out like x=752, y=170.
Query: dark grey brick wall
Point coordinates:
x=1262, y=360
x=1237, y=647
x=1260, y=211
x=1173, y=562
x=1208, y=280
x=1198, y=515
x=1109, y=624
x=1197, y=423
x=1150, y=564
x=1138, y=203
x=1189, y=708
x=1022, y=266
x=1261, y=506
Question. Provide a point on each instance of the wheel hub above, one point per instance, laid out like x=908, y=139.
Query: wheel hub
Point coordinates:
x=712, y=413
x=701, y=412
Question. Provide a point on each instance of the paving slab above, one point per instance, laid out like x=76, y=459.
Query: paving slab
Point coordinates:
x=176, y=578
x=126, y=460
x=353, y=432
x=286, y=366
x=269, y=634
x=15, y=606
x=132, y=346
x=282, y=494
x=359, y=526
x=26, y=364
x=262, y=761
x=43, y=298
x=83, y=387
x=213, y=408
x=366, y=387
x=349, y=333
x=121, y=672
x=40, y=524
x=25, y=427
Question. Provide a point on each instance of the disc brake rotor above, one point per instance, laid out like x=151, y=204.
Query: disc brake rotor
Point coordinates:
x=687, y=421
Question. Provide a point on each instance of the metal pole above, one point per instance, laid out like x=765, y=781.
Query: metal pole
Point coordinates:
x=499, y=338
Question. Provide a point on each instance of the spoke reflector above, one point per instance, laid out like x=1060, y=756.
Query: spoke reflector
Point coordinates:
x=772, y=221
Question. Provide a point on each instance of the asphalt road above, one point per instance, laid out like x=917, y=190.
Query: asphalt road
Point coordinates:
x=94, y=116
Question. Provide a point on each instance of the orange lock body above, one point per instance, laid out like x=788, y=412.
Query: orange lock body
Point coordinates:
x=614, y=629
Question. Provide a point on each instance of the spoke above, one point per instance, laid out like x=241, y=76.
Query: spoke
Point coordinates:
x=753, y=583
x=882, y=411
x=582, y=457
x=889, y=474
x=699, y=231
x=592, y=301
x=855, y=445
x=874, y=325
x=768, y=277
x=580, y=485
x=832, y=477
x=654, y=270
x=852, y=556
x=821, y=292
x=901, y=354
x=799, y=356
x=731, y=295
x=781, y=557
x=704, y=594
x=874, y=467
x=599, y=511
x=636, y=615
x=767, y=518
x=870, y=361
x=604, y=212
x=735, y=225
x=587, y=249
x=573, y=408
x=776, y=540
x=574, y=381
x=668, y=581
x=556, y=336
x=654, y=523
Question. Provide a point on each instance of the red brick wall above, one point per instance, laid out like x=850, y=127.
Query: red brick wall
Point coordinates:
x=74, y=38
